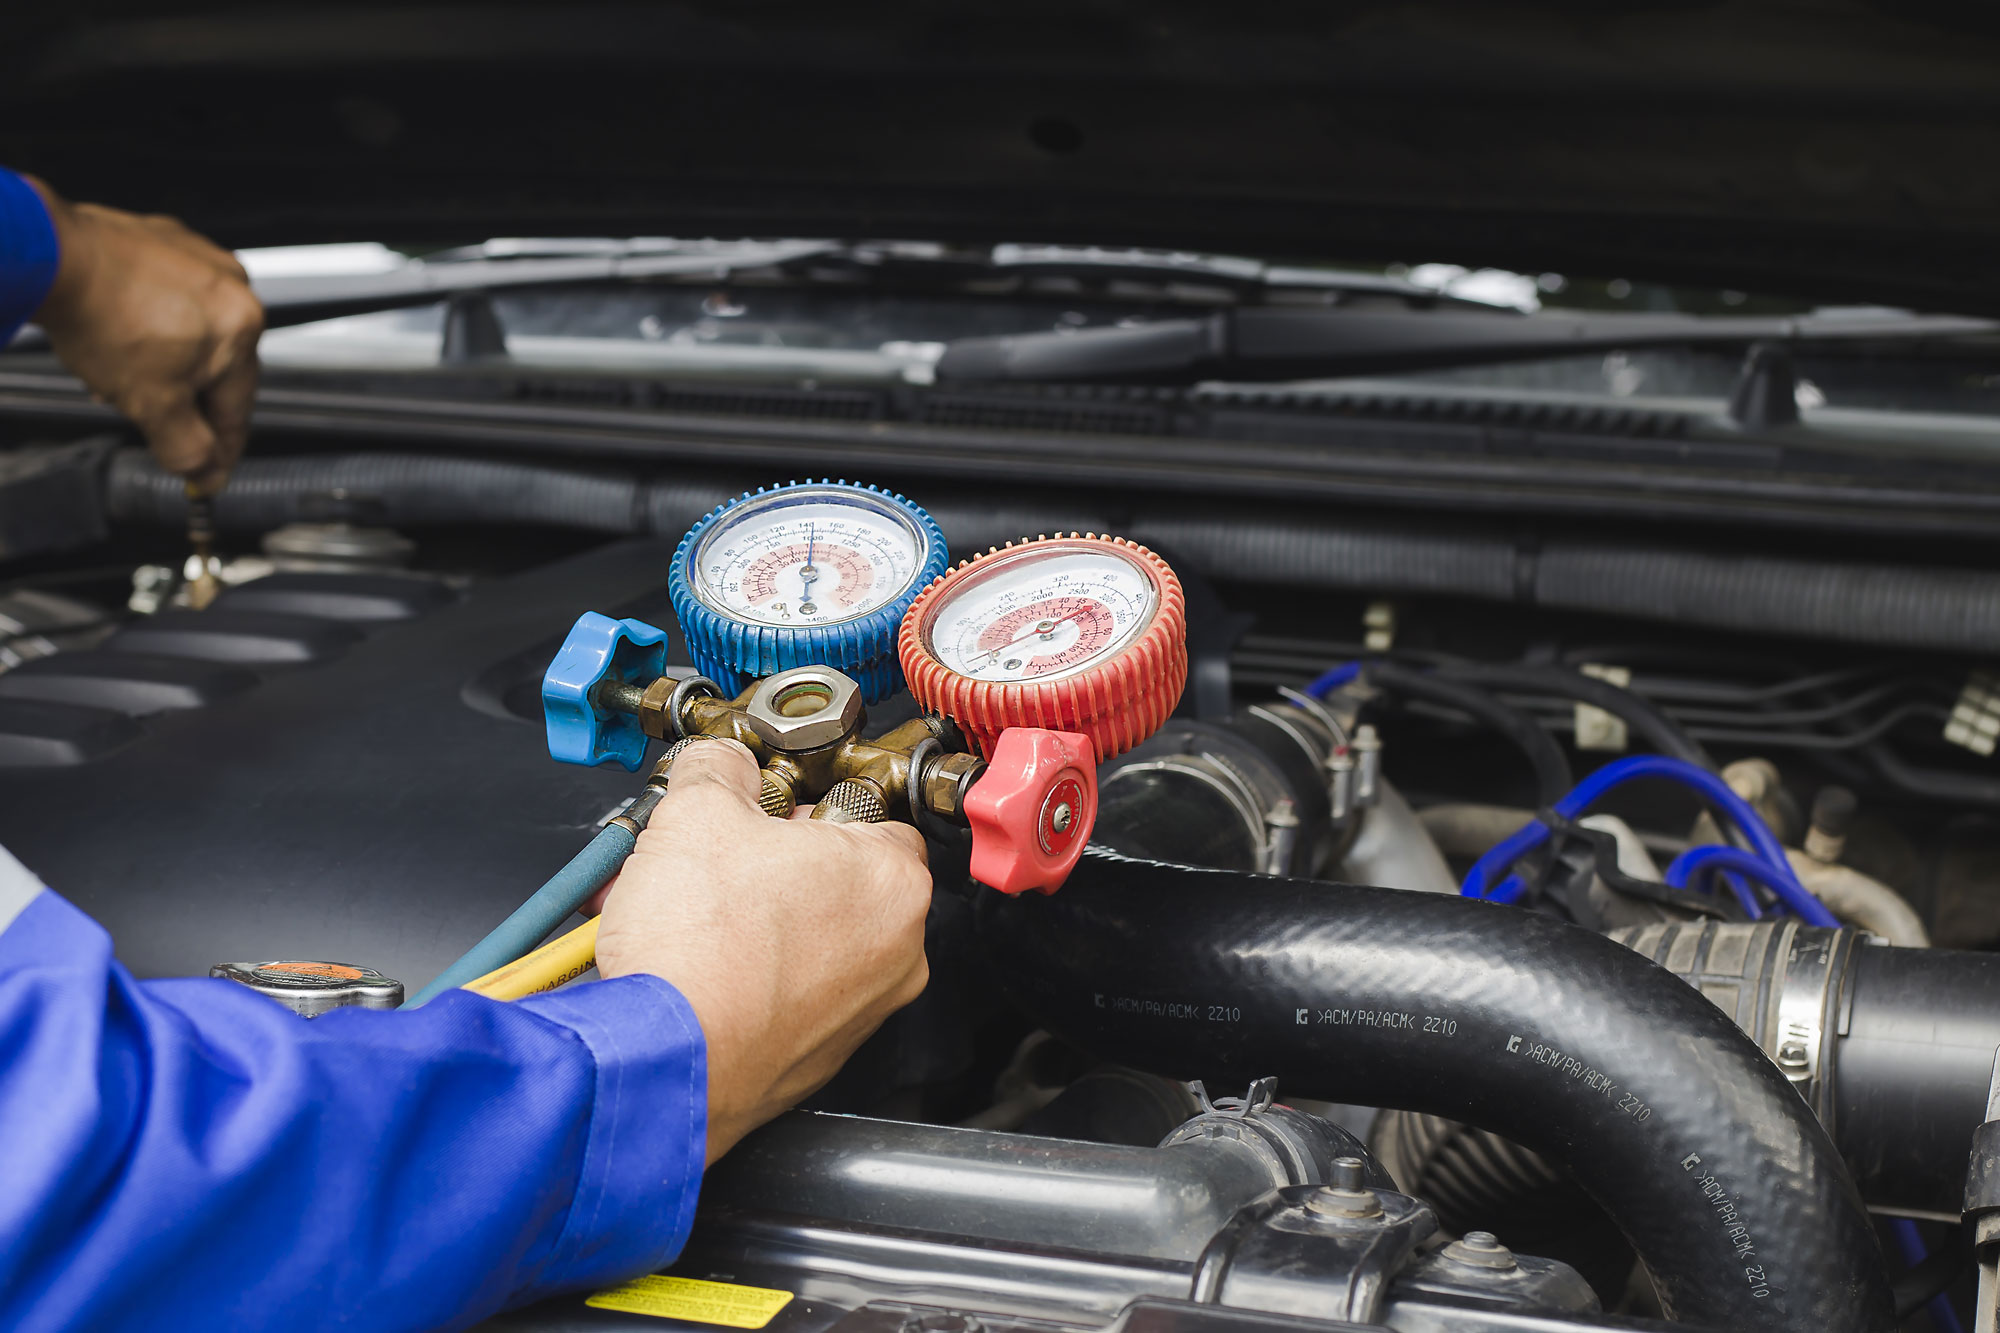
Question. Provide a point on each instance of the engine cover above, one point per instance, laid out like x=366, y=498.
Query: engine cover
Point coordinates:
x=382, y=798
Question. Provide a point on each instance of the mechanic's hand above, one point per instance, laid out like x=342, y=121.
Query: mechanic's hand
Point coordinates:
x=792, y=939
x=162, y=325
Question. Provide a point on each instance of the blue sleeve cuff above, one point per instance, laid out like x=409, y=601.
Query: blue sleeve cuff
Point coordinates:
x=182, y=1151
x=647, y=1144
x=28, y=253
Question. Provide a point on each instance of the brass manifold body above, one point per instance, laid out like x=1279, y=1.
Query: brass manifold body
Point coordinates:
x=804, y=727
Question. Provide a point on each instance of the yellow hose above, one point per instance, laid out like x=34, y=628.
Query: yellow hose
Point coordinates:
x=561, y=960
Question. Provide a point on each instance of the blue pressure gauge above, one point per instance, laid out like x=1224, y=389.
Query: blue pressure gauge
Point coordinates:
x=812, y=573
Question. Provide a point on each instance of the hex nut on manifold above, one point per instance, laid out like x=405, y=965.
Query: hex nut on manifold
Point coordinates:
x=944, y=782
x=804, y=709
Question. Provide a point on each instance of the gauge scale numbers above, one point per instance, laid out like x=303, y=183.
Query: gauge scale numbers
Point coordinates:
x=808, y=563
x=1040, y=616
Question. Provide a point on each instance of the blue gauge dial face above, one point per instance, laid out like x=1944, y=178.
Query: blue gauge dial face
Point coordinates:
x=807, y=557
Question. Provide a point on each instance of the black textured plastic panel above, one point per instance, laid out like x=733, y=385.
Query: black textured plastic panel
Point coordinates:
x=759, y=400
x=129, y=683
x=245, y=638
x=359, y=809
x=1051, y=412
x=1606, y=418
x=359, y=598
x=35, y=733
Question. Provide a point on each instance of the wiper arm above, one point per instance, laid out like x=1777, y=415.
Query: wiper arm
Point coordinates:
x=1283, y=344
x=303, y=299
x=512, y=266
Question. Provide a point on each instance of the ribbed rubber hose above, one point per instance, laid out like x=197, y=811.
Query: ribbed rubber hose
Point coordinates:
x=1658, y=1106
x=1468, y=1175
x=1906, y=606
x=414, y=490
x=588, y=871
x=1552, y=773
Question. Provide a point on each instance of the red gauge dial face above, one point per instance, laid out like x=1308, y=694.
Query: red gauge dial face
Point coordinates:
x=1043, y=613
x=1048, y=637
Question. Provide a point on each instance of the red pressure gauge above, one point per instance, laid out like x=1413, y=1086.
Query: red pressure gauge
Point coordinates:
x=1082, y=634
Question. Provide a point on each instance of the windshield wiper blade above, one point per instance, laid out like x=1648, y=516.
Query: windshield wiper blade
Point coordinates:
x=1285, y=344
x=302, y=299
x=520, y=264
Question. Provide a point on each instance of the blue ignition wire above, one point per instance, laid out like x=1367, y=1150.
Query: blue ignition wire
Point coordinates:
x=1333, y=678
x=1753, y=907
x=1911, y=1242
x=1768, y=867
x=1587, y=792
x=1498, y=857
x=1692, y=865
x=590, y=870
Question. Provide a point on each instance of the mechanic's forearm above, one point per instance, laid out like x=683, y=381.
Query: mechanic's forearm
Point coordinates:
x=30, y=252
x=221, y=1162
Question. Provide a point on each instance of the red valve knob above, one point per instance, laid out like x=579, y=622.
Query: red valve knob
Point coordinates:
x=1033, y=810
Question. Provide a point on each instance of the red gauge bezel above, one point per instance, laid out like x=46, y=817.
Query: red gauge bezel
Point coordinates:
x=1117, y=702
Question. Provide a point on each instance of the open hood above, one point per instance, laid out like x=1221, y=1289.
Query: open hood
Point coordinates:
x=1842, y=152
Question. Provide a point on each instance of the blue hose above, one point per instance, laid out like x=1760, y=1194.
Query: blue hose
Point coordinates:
x=1333, y=678
x=1479, y=880
x=1911, y=1242
x=1692, y=865
x=1688, y=870
x=588, y=871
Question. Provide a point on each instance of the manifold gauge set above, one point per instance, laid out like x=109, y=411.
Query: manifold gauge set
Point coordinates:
x=803, y=604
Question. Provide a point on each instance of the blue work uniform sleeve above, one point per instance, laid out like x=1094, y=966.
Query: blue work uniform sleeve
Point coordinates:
x=28, y=253
x=187, y=1154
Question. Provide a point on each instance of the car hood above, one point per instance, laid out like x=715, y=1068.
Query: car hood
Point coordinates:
x=1837, y=151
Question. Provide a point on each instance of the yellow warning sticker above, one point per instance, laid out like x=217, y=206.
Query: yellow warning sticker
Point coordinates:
x=694, y=1300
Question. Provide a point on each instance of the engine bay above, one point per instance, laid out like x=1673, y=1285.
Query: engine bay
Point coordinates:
x=1210, y=1082
x=1427, y=575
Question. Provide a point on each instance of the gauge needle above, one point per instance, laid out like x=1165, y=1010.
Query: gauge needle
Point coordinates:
x=1035, y=633
x=807, y=574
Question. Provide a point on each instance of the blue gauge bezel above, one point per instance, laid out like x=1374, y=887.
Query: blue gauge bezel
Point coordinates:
x=733, y=651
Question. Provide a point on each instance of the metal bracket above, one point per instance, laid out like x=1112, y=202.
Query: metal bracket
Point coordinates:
x=1290, y=1253
x=1982, y=1178
x=1258, y=1098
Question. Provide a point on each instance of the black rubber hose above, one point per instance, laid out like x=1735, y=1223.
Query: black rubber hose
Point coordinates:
x=415, y=490
x=1659, y=1107
x=1936, y=784
x=1911, y=1070
x=1646, y=721
x=1552, y=773
x=410, y=490
x=1907, y=606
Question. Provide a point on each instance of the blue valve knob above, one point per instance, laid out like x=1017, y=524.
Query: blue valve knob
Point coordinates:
x=581, y=729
